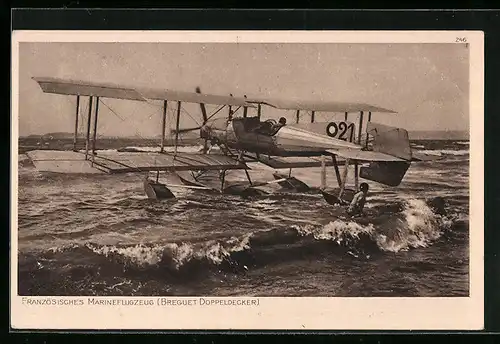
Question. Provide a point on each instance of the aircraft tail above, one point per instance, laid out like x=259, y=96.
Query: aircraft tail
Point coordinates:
x=391, y=141
x=389, y=173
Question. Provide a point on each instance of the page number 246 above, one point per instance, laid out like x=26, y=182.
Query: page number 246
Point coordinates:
x=460, y=40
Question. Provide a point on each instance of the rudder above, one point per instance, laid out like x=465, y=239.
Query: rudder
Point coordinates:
x=390, y=140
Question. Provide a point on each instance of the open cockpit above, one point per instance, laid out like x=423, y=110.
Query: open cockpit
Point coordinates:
x=269, y=127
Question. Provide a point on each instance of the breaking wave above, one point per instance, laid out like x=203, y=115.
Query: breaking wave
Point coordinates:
x=416, y=226
x=173, y=254
x=420, y=228
x=441, y=152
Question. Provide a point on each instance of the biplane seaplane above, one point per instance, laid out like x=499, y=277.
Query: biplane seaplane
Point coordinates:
x=381, y=154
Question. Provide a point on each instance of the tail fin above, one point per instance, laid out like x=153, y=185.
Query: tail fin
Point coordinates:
x=390, y=140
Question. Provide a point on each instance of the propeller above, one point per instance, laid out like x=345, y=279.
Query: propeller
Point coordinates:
x=205, y=120
x=202, y=106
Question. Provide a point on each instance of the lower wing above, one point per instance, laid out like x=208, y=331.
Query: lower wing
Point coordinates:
x=129, y=162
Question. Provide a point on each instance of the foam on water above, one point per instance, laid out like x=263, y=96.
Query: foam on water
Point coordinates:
x=419, y=228
x=416, y=226
x=174, y=254
x=441, y=152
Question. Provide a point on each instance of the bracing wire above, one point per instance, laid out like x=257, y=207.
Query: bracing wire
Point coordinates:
x=123, y=120
x=187, y=113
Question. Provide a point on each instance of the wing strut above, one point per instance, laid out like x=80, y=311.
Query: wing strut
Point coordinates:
x=356, y=170
x=367, y=135
x=76, y=121
x=177, y=125
x=87, y=138
x=163, y=126
x=94, y=138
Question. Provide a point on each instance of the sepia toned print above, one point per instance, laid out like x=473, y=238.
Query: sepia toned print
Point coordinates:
x=222, y=174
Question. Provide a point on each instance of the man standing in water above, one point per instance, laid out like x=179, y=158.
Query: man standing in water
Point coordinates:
x=358, y=201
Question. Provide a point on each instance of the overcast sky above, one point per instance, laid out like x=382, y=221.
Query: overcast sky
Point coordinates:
x=427, y=84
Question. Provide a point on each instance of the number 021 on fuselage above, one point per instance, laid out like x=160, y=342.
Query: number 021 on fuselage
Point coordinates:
x=342, y=130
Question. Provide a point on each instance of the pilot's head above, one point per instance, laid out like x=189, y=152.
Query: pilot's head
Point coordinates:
x=364, y=187
x=282, y=121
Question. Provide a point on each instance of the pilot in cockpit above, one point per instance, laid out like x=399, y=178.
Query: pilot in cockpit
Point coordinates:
x=270, y=127
x=281, y=122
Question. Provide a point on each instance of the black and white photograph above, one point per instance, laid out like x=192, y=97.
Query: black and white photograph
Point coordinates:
x=244, y=169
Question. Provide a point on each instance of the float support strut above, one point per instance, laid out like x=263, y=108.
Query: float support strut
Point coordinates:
x=337, y=171
x=223, y=177
x=344, y=179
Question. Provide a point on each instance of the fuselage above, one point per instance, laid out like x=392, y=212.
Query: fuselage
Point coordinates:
x=251, y=135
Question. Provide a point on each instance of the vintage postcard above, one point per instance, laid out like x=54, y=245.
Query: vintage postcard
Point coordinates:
x=246, y=180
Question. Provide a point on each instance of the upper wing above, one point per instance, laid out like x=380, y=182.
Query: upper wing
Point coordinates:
x=105, y=90
x=192, y=97
x=319, y=105
x=70, y=87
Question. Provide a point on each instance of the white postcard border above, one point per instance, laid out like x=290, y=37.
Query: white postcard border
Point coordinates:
x=299, y=313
